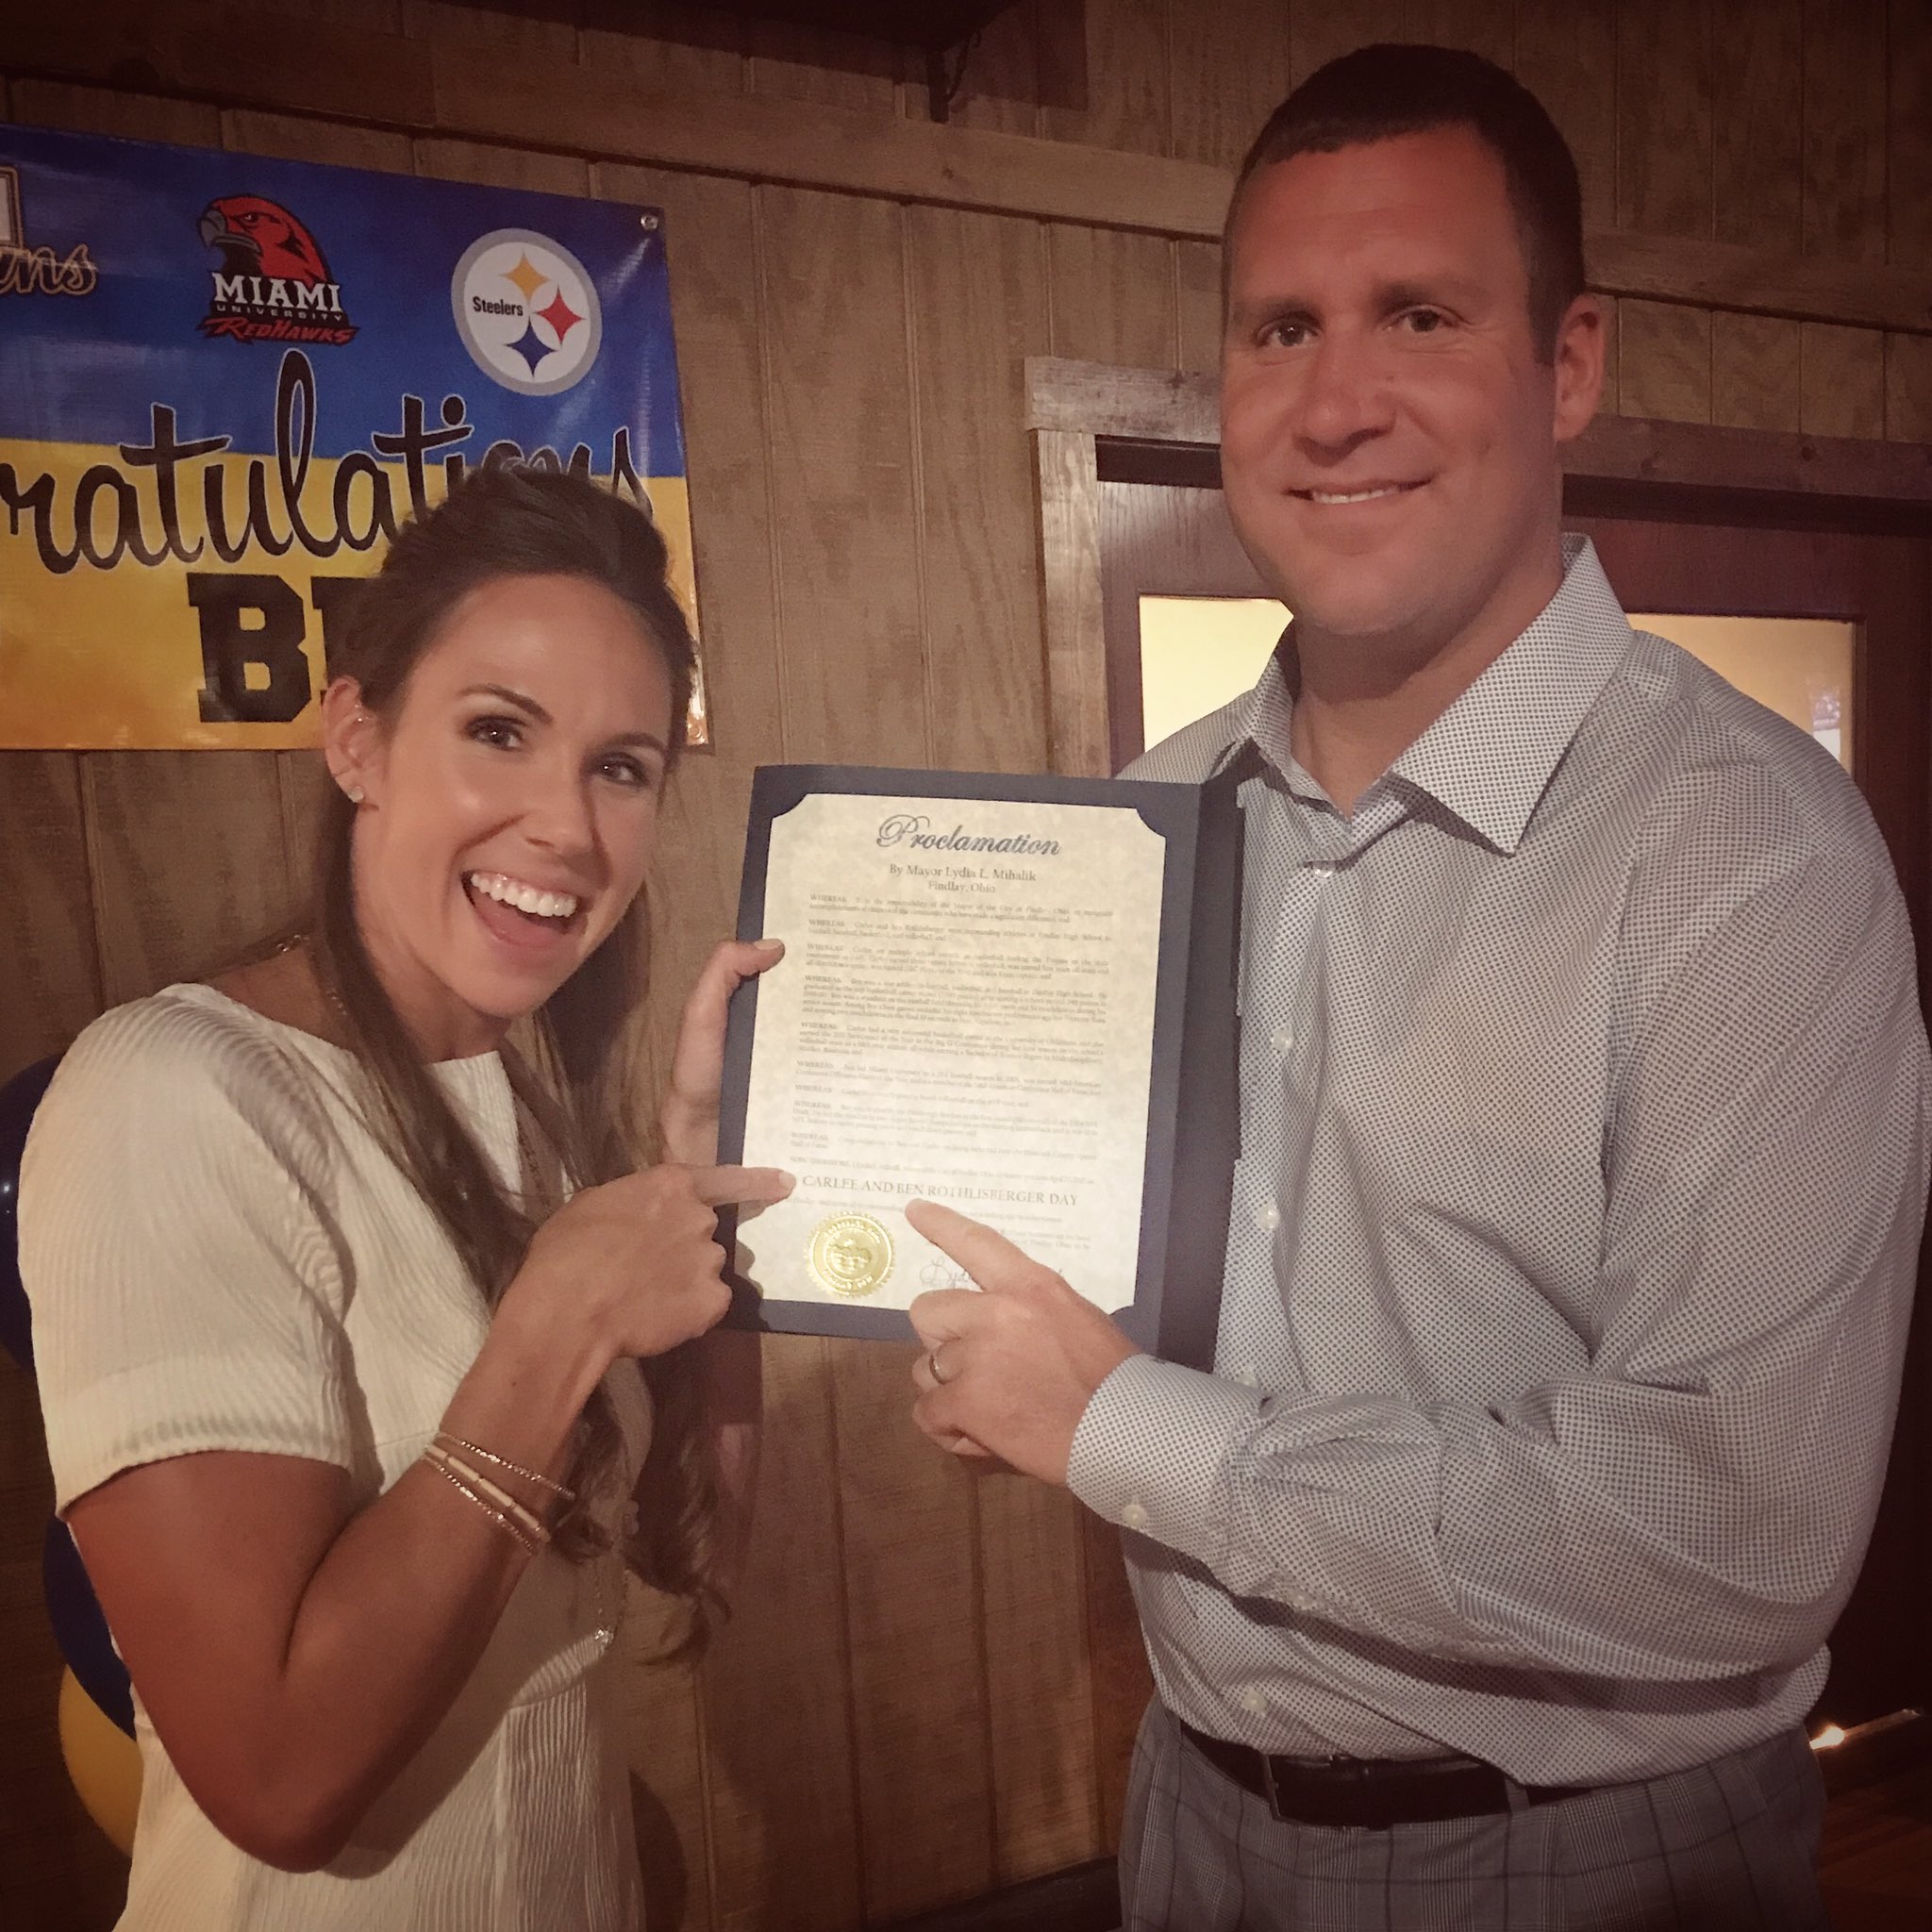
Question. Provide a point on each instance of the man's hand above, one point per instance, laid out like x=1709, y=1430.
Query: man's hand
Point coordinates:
x=1009, y=1367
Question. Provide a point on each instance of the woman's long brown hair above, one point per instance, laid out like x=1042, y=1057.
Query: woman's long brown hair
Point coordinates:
x=577, y=1078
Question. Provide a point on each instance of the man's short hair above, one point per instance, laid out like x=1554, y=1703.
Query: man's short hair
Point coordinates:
x=1380, y=92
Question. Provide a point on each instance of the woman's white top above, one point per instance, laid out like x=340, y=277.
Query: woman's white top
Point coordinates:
x=220, y=1254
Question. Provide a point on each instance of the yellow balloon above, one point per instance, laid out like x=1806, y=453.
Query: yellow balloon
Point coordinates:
x=103, y=1761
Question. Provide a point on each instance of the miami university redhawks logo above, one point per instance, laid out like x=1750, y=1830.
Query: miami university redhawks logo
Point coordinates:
x=273, y=284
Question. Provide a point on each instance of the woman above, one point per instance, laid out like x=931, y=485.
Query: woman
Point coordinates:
x=348, y=1453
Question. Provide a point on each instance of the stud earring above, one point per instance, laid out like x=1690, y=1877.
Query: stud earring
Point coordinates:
x=355, y=795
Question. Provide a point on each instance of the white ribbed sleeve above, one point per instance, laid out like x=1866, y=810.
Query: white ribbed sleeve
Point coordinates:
x=187, y=1289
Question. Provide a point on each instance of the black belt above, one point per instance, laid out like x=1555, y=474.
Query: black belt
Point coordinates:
x=1373, y=1792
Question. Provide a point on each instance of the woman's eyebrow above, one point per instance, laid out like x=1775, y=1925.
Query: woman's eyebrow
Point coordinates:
x=508, y=696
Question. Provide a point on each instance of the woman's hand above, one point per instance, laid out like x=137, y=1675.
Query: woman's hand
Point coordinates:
x=688, y=1120
x=634, y=1267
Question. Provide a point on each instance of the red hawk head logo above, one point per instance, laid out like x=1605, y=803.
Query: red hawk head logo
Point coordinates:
x=257, y=237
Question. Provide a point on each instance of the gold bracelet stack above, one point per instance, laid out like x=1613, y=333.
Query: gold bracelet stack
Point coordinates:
x=448, y=1455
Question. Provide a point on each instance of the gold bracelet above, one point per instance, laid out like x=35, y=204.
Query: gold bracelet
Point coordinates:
x=516, y=1534
x=531, y=1524
x=558, y=1489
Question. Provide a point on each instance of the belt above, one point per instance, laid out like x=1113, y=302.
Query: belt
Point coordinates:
x=1371, y=1792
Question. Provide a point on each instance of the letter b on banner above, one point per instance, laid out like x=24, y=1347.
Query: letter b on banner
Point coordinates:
x=273, y=643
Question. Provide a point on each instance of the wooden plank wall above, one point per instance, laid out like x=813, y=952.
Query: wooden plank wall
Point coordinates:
x=905, y=1709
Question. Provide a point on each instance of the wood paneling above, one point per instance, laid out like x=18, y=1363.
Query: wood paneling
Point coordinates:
x=102, y=110
x=515, y=36
x=1908, y=389
x=1754, y=381
x=289, y=137
x=629, y=36
x=1323, y=32
x=1040, y=1687
x=1230, y=70
x=1909, y=174
x=664, y=1749
x=188, y=856
x=1844, y=128
x=839, y=422
x=1610, y=403
x=1757, y=122
x=976, y=286
x=1566, y=55
x=1197, y=304
x=55, y=982
x=1663, y=361
x=1841, y=381
x=781, y=1764
x=496, y=167
x=1104, y=73
x=1483, y=26
x=1113, y=296
x=1663, y=116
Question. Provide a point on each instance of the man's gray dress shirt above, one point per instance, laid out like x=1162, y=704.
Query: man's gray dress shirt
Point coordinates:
x=1584, y=1124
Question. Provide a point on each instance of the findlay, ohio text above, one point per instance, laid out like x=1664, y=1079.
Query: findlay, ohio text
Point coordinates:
x=274, y=521
x=915, y=829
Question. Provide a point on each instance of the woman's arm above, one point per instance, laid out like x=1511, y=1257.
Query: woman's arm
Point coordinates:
x=294, y=1655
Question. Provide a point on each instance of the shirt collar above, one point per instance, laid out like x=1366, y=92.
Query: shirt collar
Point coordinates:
x=1490, y=755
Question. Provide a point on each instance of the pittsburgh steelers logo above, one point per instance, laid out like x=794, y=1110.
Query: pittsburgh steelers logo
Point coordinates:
x=528, y=311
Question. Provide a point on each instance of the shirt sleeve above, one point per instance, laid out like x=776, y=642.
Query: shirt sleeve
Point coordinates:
x=186, y=1290
x=1697, y=1503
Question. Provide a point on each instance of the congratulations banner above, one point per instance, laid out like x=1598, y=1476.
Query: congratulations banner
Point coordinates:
x=224, y=381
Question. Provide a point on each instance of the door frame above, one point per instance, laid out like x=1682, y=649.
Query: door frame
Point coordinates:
x=1094, y=422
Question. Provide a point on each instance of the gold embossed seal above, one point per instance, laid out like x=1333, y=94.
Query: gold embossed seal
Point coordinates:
x=850, y=1255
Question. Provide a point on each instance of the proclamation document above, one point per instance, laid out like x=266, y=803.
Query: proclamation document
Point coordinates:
x=981, y=1002
x=964, y=1012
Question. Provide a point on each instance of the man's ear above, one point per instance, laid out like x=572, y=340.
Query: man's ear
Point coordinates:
x=351, y=739
x=1579, y=367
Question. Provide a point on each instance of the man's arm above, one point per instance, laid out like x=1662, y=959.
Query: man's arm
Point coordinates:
x=1696, y=1505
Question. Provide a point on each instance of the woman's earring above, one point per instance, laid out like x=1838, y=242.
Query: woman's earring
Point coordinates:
x=355, y=795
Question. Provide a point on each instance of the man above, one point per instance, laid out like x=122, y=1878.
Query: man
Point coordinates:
x=1584, y=1131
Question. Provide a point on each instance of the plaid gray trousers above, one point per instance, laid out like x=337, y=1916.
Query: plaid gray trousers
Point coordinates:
x=1719, y=1848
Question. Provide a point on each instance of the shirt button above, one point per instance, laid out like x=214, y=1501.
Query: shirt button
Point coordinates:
x=1268, y=1216
x=1254, y=1703
x=1248, y=1375
x=1321, y=869
x=1134, y=1516
x=1282, y=1041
